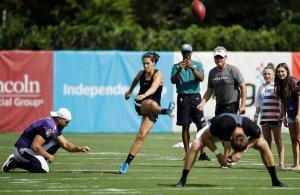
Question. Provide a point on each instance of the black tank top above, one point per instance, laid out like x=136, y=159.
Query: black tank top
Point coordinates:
x=146, y=84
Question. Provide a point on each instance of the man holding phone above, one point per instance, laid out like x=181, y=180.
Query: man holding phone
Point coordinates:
x=187, y=75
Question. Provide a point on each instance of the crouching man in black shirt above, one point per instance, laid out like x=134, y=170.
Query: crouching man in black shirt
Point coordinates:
x=242, y=132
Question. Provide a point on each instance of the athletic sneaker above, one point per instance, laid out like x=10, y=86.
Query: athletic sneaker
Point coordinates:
x=9, y=164
x=203, y=156
x=180, y=184
x=123, y=168
x=171, y=109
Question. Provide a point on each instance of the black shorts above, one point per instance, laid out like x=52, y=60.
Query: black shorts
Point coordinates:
x=187, y=111
x=270, y=123
x=152, y=116
x=227, y=108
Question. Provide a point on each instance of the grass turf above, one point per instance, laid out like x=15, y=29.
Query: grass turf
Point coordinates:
x=155, y=170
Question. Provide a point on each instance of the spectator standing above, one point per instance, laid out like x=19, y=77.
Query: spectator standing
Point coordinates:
x=287, y=90
x=227, y=84
x=268, y=106
x=187, y=75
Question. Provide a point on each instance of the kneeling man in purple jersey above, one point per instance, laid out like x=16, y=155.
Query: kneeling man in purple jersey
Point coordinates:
x=40, y=141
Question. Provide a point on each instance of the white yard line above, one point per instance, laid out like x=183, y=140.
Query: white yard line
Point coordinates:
x=127, y=191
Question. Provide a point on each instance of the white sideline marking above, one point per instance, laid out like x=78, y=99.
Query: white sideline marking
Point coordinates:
x=41, y=180
x=92, y=158
x=147, y=178
x=107, y=153
x=115, y=190
x=203, y=178
x=5, y=177
x=93, y=153
x=109, y=170
x=30, y=179
x=217, y=169
x=168, y=158
x=78, y=178
x=163, y=158
x=27, y=181
x=58, y=163
x=24, y=182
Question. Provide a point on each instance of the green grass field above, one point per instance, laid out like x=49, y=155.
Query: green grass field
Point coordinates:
x=154, y=171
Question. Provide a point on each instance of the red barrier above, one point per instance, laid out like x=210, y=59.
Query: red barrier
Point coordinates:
x=296, y=65
x=26, y=88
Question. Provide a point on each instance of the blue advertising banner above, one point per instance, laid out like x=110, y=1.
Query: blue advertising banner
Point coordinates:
x=92, y=85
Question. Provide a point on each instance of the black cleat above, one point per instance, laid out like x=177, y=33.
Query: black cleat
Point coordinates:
x=281, y=185
x=9, y=164
x=180, y=184
x=203, y=156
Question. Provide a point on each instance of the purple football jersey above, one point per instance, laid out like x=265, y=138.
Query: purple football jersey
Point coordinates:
x=44, y=127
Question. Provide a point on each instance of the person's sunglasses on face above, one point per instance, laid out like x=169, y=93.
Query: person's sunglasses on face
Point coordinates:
x=218, y=57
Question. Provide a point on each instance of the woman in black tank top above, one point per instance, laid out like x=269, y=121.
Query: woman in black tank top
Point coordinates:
x=147, y=102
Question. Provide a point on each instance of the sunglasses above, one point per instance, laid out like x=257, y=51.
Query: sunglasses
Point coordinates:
x=218, y=57
x=65, y=120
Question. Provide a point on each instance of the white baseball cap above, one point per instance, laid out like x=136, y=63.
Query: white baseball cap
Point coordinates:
x=63, y=113
x=220, y=51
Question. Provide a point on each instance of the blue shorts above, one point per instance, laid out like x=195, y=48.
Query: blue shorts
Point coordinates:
x=292, y=116
x=291, y=120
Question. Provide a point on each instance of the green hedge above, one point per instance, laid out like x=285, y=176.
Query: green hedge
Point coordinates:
x=285, y=37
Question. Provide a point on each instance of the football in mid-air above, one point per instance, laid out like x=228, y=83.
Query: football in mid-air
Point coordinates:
x=198, y=9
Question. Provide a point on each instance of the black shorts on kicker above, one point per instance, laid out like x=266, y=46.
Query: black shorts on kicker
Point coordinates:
x=270, y=123
x=187, y=111
x=152, y=116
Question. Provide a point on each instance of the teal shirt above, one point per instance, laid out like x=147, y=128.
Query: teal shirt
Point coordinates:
x=187, y=83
